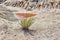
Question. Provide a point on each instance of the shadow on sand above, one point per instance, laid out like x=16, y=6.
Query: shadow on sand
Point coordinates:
x=26, y=32
x=29, y=32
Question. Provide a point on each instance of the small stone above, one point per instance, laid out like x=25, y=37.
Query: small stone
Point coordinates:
x=14, y=35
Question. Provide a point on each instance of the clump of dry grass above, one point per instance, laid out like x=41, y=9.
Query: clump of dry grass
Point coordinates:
x=27, y=19
x=26, y=22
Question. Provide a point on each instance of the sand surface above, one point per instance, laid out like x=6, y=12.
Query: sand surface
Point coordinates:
x=46, y=26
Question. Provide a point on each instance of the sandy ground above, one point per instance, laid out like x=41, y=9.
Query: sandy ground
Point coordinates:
x=46, y=26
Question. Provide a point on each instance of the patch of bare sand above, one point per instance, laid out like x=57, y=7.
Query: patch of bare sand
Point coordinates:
x=46, y=27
